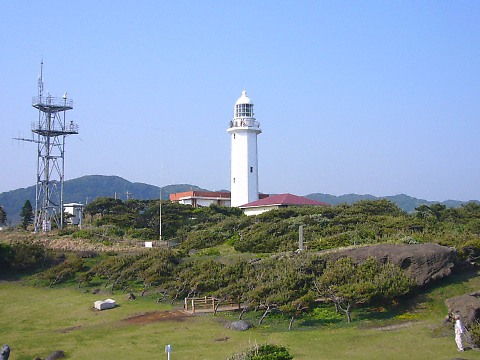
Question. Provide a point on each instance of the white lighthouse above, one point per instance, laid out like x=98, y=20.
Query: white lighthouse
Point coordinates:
x=244, y=159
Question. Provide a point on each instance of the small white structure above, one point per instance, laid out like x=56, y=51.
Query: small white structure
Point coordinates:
x=103, y=305
x=244, y=159
x=75, y=212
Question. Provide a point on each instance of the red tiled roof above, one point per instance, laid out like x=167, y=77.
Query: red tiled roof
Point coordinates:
x=284, y=199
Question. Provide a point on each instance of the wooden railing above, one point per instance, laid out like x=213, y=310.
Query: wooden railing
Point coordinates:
x=208, y=304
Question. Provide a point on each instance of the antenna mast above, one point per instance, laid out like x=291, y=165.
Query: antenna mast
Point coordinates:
x=49, y=132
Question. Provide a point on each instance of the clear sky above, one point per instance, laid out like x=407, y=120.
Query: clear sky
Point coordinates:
x=366, y=97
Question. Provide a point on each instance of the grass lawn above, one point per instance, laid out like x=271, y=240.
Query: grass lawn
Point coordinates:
x=37, y=321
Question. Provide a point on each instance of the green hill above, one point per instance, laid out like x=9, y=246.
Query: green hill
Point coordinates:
x=405, y=202
x=86, y=188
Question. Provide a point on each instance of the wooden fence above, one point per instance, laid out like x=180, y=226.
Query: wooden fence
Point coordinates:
x=208, y=304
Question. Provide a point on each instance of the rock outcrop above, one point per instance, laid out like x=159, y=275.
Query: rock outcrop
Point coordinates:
x=423, y=262
x=467, y=305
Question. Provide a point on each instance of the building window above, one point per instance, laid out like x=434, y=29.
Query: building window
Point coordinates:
x=251, y=169
x=234, y=180
x=234, y=136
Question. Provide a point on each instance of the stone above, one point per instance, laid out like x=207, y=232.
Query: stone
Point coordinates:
x=5, y=352
x=57, y=354
x=241, y=325
x=423, y=262
x=103, y=305
x=467, y=305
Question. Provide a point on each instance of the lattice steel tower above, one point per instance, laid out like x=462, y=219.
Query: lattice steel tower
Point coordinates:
x=49, y=132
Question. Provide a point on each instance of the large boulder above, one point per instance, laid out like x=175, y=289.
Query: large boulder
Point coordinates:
x=241, y=325
x=5, y=352
x=423, y=262
x=467, y=305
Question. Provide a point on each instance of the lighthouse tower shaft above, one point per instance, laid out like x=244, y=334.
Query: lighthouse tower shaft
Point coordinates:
x=244, y=153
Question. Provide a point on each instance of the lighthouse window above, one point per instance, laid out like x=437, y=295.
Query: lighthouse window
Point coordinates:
x=244, y=110
x=251, y=169
x=234, y=136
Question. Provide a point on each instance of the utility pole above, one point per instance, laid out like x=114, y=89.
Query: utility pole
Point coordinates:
x=160, y=216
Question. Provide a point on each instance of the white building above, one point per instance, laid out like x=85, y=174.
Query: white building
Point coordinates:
x=277, y=202
x=244, y=158
x=74, y=213
x=201, y=198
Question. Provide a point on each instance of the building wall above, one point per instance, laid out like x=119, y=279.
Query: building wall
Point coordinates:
x=258, y=210
x=201, y=198
x=76, y=210
x=244, y=166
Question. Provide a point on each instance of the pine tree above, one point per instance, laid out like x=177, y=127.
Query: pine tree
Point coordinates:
x=3, y=216
x=26, y=214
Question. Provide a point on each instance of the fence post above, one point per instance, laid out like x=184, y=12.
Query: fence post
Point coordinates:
x=193, y=306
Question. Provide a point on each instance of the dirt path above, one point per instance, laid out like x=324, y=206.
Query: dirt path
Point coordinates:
x=155, y=316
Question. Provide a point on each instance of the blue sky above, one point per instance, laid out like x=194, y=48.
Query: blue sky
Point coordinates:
x=366, y=97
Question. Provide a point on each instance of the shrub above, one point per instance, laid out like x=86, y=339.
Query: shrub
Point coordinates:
x=62, y=272
x=475, y=333
x=144, y=234
x=26, y=255
x=264, y=352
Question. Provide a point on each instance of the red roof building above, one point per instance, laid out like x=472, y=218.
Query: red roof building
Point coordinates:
x=278, y=201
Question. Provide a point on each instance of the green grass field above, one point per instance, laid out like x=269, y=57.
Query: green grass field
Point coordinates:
x=37, y=321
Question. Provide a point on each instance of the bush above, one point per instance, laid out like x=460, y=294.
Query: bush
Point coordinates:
x=99, y=233
x=6, y=256
x=62, y=272
x=203, y=239
x=264, y=352
x=69, y=230
x=84, y=234
x=144, y=234
x=24, y=255
x=475, y=333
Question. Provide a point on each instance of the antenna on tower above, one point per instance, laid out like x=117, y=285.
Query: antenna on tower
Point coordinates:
x=49, y=134
x=40, y=81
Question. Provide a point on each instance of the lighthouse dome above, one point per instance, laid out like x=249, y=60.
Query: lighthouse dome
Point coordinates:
x=244, y=99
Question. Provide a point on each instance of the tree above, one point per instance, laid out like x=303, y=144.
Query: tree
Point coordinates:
x=26, y=214
x=435, y=211
x=104, y=206
x=3, y=216
x=347, y=284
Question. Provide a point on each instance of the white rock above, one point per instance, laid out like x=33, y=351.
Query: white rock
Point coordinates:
x=103, y=305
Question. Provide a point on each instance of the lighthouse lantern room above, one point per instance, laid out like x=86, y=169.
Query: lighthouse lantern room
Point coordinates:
x=244, y=157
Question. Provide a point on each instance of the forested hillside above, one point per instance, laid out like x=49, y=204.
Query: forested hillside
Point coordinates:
x=87, y=188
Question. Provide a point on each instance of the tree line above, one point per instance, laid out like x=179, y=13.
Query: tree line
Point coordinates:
x=365, y=222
